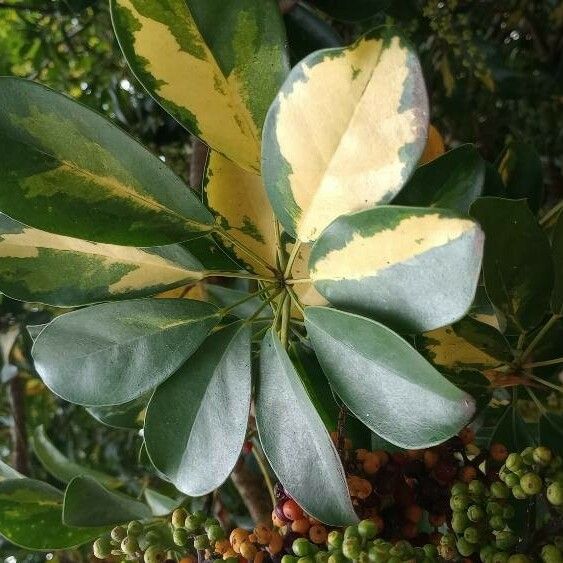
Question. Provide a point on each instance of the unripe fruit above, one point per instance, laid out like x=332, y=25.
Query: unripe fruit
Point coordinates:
x=351, y=532
x=518, y=492
x=497, y=523
x=448, y=539
x=335, y=540
x=518, y=558
x=500, y=557
x=210, y=522
x=459, y=502
x=531, y=484
x=179, y=517
x=499, y=490
x=129, y=545
x=505, y=540
x=192, y=523
x=118, y=534
x=351, y=548
x=512, y=480
x=447, y=552
x=248, y=550
x=514, y=462
x=302, y=547
x=102, y=547
x=464, y=547
x=487, y=553
x=367, y=529
x=181, y=537
x=494, y=508
x=336, y=557
x=550, y=554
x=215, y=533
x=460, y=521
x=430, y=551
x=135, y=529
x=288, y=559
x=201, y=542
x=459, y=489
x=322, y=557
x=508, y=512
x=153, y=554
x=555, y=493
x=475, y=513
x=472, y=535
x=542, y=456
x=477, y=488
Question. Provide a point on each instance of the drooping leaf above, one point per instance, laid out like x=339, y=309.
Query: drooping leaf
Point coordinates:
x=351, y=10
x=126, y=416
x=385, y=382
x=196, y=421
x=41, y=267
x=67, y=170
x=302, y=447
x=60, y=467
x=452, y=181
x=88, y=504
x=557, y=250
x=517, y=266
x=239, y=200
x=160, y=504
x=467, y=344
x=31, y=517
x=357, y=144
x=7, y=472
x=113, y=353
x=520, y=168
x=214, y=66
x=413, y=268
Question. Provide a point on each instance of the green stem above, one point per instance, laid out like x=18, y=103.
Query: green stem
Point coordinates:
x=281, y=253
x=551, y=213
x=292, y=257
x=247, y=298
x=261, y=461
x=243, y=248
x=537, y=339
x=295, y=299
x=541, y=408
x=300, y=280
x=286, y=316
x=263, y=306
x=547, y=383
x=242, y=275
x=546, y=363
x=278, y=311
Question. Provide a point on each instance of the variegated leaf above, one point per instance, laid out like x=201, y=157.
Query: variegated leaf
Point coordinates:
x=41, y=267
x=238, y=198
x=214, y=65
x=415, y=269
x=345, y=132
x=467, y=344
x=67, y=170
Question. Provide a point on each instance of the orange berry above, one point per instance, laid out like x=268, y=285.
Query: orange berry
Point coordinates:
x=276, y=543
x=359, y=488
x=467, y=474
x=467, y=436
x=260, y=556
x=237, y=537
x=498, y=452
x=248, y=550
x=371, y=464
x=230, y=553
x=414, y=454
x=312, y=520
x=222, y=546
x=382, y=456
x=431, y=458
x=413, y=513
x=361, y=454
x=291, y=510
x=300, y=526
x=262, y=534
x=318, y=534
x=252, y=538
x=276, y=520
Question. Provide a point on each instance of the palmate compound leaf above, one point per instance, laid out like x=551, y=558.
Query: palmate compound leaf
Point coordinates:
x=385, y=382
x=415, y=269
x=37, y=266
x=196, y=421
x=215, y=66
x=358, y=142
x=112, y=353
x=296, y=441
x=67, y=170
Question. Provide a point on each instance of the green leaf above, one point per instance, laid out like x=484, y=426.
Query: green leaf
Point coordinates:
x=227, y=297
x=160, y=504
x=126, y=415
x=67, y=170
x=351, y=10
x=35, y=330
x=113, y=353
x=31, y=517
x=452, y=181
x=299, y=446
x=551, y=431
x=197, y=442
x=467, y=344
x=517, y=266
x=385, y=382
x=510, y=429
x=60, y=466
x=214, y=66
x=37, y=266
x=494, y=185
x=557, y=250
x=357, y=144
x=88, y=504
x=7, y=472
x=413, y=268
x=521, y=171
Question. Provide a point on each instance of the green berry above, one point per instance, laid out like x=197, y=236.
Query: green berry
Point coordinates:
x=402, y=549
x=542, y=456
x=464, y=547
x=472, y=535
x=307, y=559
x=336, y=557
x=215, y=533
x=201, y=542
x=477, y=488
x=475, y=513
x=448, y=539
x=153, y=554
x=497, y=522
x=288, y=559
x=459, y=502
x=508, y=512
x=500, y=557
x=363, y=558
x=376, y=556
x=555, y=493
x=302, y=547
x=210, y=522
x=351, y=548
x=135, y=529
x=322, y=557
x=531, y=484
x=179, y=517
x=334, y=540
x=192, y=523
x=152, y=537
x=518, y=558
x=528, y=456
x=351, y=532
x=459, y=489
x=430, y=551
x=499, y=490
x=514, y=462
x=368, y=529
x=447, y=552
x=494, y=508
x=129, y=545
x=518, y=492
x=460, y=521
x=181, y=537
x=102, y=547
x=487, y=553
x=118, y=534
x=550, y=554
x=512, y=480
x=505, y=540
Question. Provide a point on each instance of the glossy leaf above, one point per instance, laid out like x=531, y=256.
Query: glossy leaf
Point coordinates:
x=160, y=504
x=41, y=267
x=557, y=250
x=60, y=467
x=351, y=10
x=385, y=382
x=413, y=268
x=520, y=168
x=88, y=504
x=357, y=144
x=517, y=266
x=127, y=415
x=215, y=67
x=113, y=353
x=31, y=517
x=452, y=181
x=67, y=170
x=467, y=344
x=303, y=447
x=201, y=413
x=239, y=201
